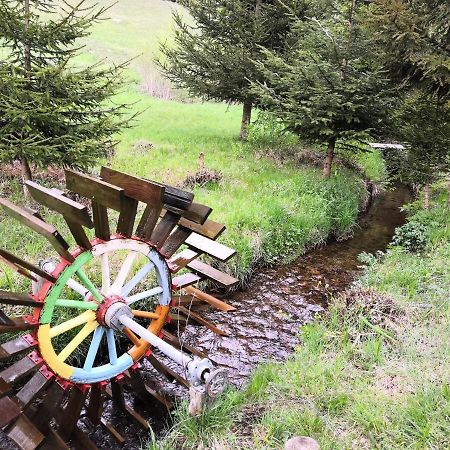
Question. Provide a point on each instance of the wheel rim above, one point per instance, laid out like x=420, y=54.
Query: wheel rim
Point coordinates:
x=94, y=306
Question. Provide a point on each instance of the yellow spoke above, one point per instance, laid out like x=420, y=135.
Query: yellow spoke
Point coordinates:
x=145, y=314
x=72, y=323
x=131, y=336
x=77, y=340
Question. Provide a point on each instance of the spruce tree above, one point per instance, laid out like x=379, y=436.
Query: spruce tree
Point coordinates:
x=416, y=36
x=52, y=112
x=328, y=86
x=214, y=58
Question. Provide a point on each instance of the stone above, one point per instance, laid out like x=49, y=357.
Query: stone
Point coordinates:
x=301, y=443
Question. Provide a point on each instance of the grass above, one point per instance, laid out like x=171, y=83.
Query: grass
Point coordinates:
x=371, y=374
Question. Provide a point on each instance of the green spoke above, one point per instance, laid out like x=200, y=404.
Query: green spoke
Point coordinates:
x=87, y=282
x=76, y=304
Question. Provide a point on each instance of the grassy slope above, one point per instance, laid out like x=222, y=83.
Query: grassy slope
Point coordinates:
x=372, y=374
x=273, y=212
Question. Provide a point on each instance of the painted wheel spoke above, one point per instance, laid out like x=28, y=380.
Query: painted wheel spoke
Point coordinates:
x=88, y=283
x=131, y=336
x=143, y=271
x=93, y=348
x=106, y=273
x=112, y=351
x=123, y=273
x=76, y=304
x=145, y=314
x=72, y=323
x=144, y=295
x=77, y=287
x=77, y=340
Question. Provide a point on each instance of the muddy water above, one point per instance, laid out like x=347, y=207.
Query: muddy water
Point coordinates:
x=268, y=316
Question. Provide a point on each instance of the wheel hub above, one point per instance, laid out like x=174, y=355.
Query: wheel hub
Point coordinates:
x=110, y=310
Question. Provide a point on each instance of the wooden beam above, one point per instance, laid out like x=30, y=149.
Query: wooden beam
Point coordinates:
x=71, y=210
x=210, y=247
x=38, y=225
x=213, y=274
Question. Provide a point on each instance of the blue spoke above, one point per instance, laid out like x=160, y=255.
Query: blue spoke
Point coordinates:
x=93, y=348
x=111, y=346
x=143, y=271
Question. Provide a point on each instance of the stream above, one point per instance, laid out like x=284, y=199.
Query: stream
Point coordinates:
x=280, y=299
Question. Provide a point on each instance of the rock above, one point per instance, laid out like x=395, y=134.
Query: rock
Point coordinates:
x=301, y=443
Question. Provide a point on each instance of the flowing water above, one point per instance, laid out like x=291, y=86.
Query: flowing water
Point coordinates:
x=269, y=313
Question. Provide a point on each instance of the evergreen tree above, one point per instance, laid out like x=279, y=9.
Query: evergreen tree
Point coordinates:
x=215, y=57
x=328, y=87
x=51, y=112
x=416, y=35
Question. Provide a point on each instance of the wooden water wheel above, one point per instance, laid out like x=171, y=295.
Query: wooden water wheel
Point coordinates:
x=99, y=310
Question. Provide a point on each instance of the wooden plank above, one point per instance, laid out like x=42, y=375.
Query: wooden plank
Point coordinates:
x=17, y=345
x=213, y=274
x=21, y=323
x=16, y=299
x=20, y=262
x=20, y=369
x=175, y=241
x=101, y=221
x=113, y=432
x=71, y=414
x=164, y=228
x=97, y=190
x=49, y=407
x=5, y=320
x=33, y=388
x=196, y=212
x=18, y=269
x=175, y=197
x=210, y=247
x=53, y=441
x=184, y=300
x=148, y=221
x=209, y=229
x=79, y=234
x=5, y=388
x=71, y=210
x=95, y=406
x=143, y=190
x=181, y=260
x=24, y=433
x=81, y=441
x=207, y=298
x=184, y=280
x=147, y=394
x=116, y=393
x=167, y=371
x=39, y=226
x=182, y=345
x=202, y=321
x=127, y=216
x=8, y=411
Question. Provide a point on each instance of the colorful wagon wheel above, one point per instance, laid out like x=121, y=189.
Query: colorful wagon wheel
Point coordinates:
x=100, y=310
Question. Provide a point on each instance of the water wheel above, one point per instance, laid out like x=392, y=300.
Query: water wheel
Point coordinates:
x=98, y=311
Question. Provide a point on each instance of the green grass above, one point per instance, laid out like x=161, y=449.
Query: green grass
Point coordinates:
x=371, y=374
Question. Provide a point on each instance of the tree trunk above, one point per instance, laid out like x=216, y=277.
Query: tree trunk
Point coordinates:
x=328, y=162
x=26, y=175
x=426, y=196
x=246, y=116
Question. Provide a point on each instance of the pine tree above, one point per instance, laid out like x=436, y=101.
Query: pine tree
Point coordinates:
x=215, y=57
x=52, y=112
x=416, y=35
x=328, y=86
